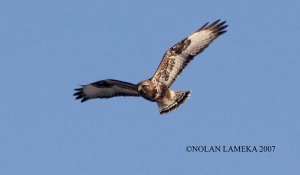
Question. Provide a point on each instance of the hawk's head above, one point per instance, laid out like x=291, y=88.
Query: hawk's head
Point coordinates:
x=146, y=89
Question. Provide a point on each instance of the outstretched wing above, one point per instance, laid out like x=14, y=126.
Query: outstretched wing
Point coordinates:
x=178, y=57
x=106, y=89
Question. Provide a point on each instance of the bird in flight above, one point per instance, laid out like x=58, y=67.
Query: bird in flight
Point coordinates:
x=158, y=87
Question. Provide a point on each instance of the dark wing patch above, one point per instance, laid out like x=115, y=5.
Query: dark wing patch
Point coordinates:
x=178, y=57
x=181, y=46
x=105, y=89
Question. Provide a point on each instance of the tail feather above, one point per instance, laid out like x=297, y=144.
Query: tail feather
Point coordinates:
x=180, y=97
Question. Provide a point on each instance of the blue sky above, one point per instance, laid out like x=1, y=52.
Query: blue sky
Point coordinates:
x=245, y=87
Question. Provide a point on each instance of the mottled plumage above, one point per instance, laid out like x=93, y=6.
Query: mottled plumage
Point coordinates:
x=157, y=89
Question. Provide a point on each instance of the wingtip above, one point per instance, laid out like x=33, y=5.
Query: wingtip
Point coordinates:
x=79, y=95
x=203, y=27
x=83, y=99
x=218, y=27
x=217, y=24
x=222, y=32
x=213, y=24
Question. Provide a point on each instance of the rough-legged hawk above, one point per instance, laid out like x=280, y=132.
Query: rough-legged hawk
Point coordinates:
x=158, y=88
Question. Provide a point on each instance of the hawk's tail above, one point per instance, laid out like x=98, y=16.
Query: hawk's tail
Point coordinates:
x=180, y=97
